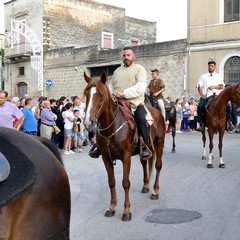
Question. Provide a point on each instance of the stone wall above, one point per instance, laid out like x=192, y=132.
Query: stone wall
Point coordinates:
x=66, y=66
x=81, y=23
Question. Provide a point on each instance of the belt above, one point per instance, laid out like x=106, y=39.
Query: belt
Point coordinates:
x=47, y=124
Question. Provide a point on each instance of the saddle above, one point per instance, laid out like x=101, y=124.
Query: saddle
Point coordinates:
x=209, y=99
x=22, y=173
x=125, y=108
x=154, y=103
x=137, y=145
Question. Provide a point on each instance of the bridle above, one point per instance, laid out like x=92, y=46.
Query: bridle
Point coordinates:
x=236, y=92
x=114, y=132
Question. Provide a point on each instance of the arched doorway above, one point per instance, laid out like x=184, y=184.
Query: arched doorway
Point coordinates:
x=232, y=70
x=22, y=89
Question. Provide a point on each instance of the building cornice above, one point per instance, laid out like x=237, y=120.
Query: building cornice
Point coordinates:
x=215, y=45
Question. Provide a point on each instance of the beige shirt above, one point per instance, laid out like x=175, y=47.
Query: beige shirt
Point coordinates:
x=132, y=81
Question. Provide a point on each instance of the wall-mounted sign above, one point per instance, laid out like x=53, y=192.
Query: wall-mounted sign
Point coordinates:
x=49, y=83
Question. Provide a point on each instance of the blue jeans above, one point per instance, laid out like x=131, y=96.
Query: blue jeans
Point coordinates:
x=185, y=123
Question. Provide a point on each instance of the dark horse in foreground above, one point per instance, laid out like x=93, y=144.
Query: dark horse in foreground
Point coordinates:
x=170, y=115
x=35, y=198
x=115, y=138
x=215, y=120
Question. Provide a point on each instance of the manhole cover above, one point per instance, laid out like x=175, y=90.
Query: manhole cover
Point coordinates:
x=171, y=216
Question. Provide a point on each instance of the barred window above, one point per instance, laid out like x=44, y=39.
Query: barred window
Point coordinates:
x=21, y=71
x=232, y=70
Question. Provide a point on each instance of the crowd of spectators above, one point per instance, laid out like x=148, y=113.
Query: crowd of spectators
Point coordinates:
x=40, y=118
x=187, y=116
x=60, y=120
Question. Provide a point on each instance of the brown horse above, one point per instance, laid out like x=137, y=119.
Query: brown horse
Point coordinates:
x=115, y=139
x=215, y=120
x=35, y=198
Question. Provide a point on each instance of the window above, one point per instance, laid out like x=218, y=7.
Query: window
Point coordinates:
x=231, y=10
x=97, y=71
x=21, y=71
x=232, y=70
x=107, y=40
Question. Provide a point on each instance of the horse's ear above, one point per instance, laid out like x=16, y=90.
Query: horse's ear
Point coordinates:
x=103, y=77
x=87, y=79
x=238, y=86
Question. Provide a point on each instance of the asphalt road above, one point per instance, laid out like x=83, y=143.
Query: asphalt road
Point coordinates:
x=187, y=187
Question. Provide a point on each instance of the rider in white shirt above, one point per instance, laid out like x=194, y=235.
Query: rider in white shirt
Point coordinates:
x=208, y=84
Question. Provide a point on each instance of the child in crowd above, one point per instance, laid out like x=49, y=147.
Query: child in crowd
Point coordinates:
x=68, y=128
x=179, y=115
x=78, y=137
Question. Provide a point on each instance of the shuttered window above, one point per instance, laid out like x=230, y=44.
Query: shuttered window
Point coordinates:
x=107, y=40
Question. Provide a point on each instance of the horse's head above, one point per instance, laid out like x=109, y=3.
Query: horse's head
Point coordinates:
x=96, y=93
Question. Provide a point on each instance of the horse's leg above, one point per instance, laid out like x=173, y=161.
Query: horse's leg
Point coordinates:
x=210, y=133
x=204, y=143
x=173, y=126
x=221, y=163
x=111, y=183
x=158, y=166
x=126, y=185
x=145, y=188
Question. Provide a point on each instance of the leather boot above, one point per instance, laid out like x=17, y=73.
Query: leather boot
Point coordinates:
x=94, y=151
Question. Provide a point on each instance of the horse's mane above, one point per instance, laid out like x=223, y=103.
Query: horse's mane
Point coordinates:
x=103, y=89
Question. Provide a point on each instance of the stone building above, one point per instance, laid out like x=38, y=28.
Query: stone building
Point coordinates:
x=76, y=36
x=213, y=33
x=40, y=26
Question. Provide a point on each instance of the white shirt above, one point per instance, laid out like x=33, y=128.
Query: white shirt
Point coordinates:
x=67, y=123
x=207, y=80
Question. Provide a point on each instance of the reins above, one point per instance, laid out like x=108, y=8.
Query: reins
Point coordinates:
x=107, y=138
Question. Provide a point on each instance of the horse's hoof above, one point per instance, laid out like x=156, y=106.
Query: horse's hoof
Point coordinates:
x=209, y=166
x=204, y=158
x=145, y=190
x=126, y=217
x=221, y=165
x=173, y=151
x=109, y=213
x=154, y=196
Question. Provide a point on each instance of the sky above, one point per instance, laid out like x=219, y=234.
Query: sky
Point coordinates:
x=170, y=15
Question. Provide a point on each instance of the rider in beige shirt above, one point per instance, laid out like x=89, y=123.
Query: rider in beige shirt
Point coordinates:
x=130, y=82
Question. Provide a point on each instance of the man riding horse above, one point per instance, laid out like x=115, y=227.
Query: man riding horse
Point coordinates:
x=129, y=82
x=209, y=84
x=156, y=87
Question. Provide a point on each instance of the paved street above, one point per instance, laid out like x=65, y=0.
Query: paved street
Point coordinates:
x=185, y=184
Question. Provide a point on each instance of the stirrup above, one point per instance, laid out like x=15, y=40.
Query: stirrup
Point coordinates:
x=144, y=150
